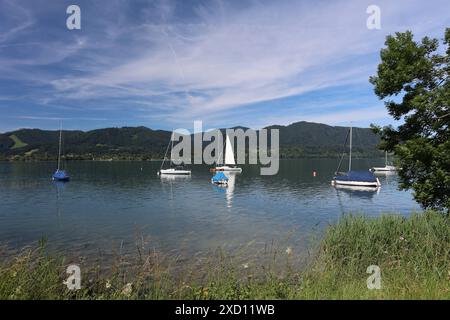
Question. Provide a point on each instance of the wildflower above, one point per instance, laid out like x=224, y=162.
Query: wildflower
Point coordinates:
x=108, y=284
x=289, y=250
x=245, y=265
x=14, y=274
x=401, y=238
x=18, y=290
x=127, y=289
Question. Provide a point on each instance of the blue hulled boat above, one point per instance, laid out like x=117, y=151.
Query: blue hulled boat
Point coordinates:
x=219, y=178
x=60, y=175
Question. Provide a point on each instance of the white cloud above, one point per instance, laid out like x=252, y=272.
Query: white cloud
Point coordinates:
x=223, y=58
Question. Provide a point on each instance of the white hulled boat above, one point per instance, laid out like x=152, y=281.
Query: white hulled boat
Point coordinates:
x=230, y=163
x=175, y=170
x=387, y=167
x=364, y=179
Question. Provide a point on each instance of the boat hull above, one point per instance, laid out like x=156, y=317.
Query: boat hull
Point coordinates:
x=384, y=169
x=60, y=175
x=66, y=179
x=174, y=172
x=349, y=183
x=227, y=169
x=219, y=182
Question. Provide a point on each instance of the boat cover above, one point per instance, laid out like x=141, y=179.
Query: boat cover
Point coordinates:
x=363, y=176
x=219, y=176
x=60, y=175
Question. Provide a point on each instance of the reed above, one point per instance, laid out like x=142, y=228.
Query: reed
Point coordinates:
x=412, y=253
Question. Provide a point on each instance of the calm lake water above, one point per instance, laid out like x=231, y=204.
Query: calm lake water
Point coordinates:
x=110, y=206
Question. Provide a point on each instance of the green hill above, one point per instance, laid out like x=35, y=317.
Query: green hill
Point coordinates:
x=301, y=139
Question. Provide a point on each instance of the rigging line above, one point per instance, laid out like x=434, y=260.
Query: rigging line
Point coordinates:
x=343, y=153
x=167, y=149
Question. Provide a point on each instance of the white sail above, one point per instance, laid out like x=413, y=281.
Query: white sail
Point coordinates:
x=229, y=154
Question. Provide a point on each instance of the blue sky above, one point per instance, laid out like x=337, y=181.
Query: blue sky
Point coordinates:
x=164, y=64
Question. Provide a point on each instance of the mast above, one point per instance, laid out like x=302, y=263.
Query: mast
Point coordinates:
x=60, y=142
x=386, y=162
x=171, y=151
x=167, y=149
x=350, y=154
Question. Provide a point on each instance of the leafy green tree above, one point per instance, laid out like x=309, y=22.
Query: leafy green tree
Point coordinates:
x=413, y=81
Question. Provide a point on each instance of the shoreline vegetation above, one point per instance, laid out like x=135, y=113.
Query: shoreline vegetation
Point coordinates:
x=413, y=255
x=297, y=140
x=378, y=155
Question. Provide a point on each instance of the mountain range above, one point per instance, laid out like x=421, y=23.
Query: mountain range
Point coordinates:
x=297, y=140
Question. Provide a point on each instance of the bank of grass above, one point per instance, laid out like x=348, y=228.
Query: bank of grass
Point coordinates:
x=412, y=253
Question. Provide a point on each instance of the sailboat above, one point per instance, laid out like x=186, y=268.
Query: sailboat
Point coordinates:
x=177, y=170
x=230, y=163
x=60, y=175
x=386, y=168
x=364, y=179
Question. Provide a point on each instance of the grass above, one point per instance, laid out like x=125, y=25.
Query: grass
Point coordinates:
x=412, y=253
x=17, y=142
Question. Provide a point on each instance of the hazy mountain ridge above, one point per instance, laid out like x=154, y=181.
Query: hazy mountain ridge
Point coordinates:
x=300, y=139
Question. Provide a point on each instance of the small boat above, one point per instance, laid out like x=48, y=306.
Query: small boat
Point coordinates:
x=387, y=167
x=354, y=178
x=364, y=179
x=220, y=179
x=176, y=170
x=230, y=163
x=60, y=175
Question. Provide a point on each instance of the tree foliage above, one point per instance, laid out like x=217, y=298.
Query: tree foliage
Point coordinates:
x=413, y=81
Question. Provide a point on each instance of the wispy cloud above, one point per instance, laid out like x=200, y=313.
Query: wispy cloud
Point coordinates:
x=170, y=62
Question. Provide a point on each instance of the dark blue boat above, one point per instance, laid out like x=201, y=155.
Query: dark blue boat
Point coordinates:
x=357, y=178
x=60, y=175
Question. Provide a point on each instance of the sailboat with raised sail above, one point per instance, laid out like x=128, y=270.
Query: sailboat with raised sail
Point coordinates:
x=230, y=163
x=364, y=179
x=60, y=174
x=172, y=170
x=387, y=167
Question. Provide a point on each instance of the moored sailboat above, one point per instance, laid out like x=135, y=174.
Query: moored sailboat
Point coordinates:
x=230, y=163
x=364, y=179
x=60, y=174
x=176, y=170
x=387, y=167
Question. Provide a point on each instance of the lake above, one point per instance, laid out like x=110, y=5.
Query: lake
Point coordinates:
x=111, y=206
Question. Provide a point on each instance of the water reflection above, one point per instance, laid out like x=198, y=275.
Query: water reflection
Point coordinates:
x=110, y=202
x=230, y=188
x=357, y=191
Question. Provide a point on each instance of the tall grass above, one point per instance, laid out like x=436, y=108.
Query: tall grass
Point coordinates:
x=412, y=253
